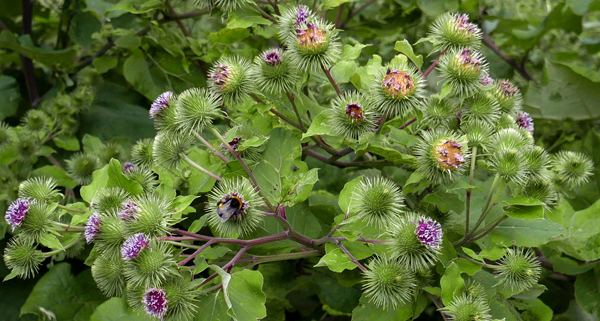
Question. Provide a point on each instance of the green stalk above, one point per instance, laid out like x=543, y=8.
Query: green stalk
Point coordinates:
x=188, y=160
x=492, y=196
x=71, y=209
x=48, y=254
x=468, y=211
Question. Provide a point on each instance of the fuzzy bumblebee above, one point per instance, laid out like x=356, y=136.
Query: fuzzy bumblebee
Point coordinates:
x=231, y=206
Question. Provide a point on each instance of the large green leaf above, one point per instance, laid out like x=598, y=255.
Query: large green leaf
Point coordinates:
x=66, y=296
x=566, y=94
x=582, y=239
x=116, y=309
x=587, y=290
x=9, y=96
x=212, y=307
x=244, y=295
x=367, y=311
x=25, y=47
x=529, y=233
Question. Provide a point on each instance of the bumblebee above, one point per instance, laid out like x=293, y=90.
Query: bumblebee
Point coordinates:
x=230, y=206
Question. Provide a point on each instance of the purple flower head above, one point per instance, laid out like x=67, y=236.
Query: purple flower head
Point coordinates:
x=449, y=155
x=160, y=103
x=463, y=24
x=467, y=58
x=354, y=111
x=155, y=302
x=130, y=209
x=398, y=83
x=220, y=74
x=272, y=57
x=525, y=121
x=486, y=80
x=133, y=245
x=128, y=167
x=429, y=232
x=303, y=13
x=17, y=210
x=507, y=88
x=92, y=227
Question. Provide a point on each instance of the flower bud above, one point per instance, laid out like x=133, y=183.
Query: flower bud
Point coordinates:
x=438, y=113
x=463, y=69
x=7, y=136
x=27, y=149
x=573, y=168
x=351, y=115
x=141, y=153
x=454, y=31
x=175, y=299
x=151, y=264
x=481, y=108
x=40, y=188
x=22, y=257
x=109, y=199
x=234, y=208
x=274, y=73
x=442, y=156
x=519, y=270
x=32, y=218
x=478, y=133
x=314, y=44
x=81, y=167
x=164, y=112
x=508, y=163
x=143, y=176
x=197, y=109
x=110, y=234
x=379, y=201
x=230, y=79
x=537, y=163
x=509, y=139
x=544, y=191
x=169, y=147
x=154, y=217
x=388, y=283
x=107, y=272
x=37, y=122
x=467, y=308
x=415, y=241
x=397, y=90
x=508, y=96
x=109, y=151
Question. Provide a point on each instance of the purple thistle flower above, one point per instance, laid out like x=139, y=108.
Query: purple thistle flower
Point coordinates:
x=486, y=80
x=463, y=24
x=128, y=167
x=130, y=209
x=525, y=121
x=220, y=74
x=272, y=58
x=91, y=227
x=507, y=88
x=155, y=301
x=354, y=111
x=160, y=103
x=429, y=232
x=133, y=245
x=302, y=15
x=17, y=210
x=466, y=57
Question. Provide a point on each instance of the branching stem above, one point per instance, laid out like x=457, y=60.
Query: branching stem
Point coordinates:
x=195, y=165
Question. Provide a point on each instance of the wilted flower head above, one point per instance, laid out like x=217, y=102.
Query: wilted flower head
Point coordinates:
x=155, y=302
x=160, y=103
x=311, y=37
x=398, y=83
x=272, y=57
x=354, y=111
x=220, y=74
x=128, y=167
x=133, y=245
x=302, y=15
x=525, y=121
x=234, y=143
x=429, y=232
x=468, y=59
x=17, y=210
x=130, y=209
x=449, y=154
x=486, y=80
x=92, y=227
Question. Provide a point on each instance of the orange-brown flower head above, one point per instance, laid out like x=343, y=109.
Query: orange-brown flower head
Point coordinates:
x=449, y=155
x=311, y=37
x=397, y=83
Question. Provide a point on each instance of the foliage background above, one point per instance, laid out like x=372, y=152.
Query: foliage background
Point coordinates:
x=141, y=48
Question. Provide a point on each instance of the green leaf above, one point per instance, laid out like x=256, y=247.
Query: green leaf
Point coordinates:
x=67, y=296
x=343, y=71
x=136, y=6
x=104, y=64
x=533, y=309
x=367, y=311
x=319, y=126
x=582, y=240
x=405, y=48
x=531, y=293
x=328, y=4
x=436, y=7
x=116, y=178
x=524, y=212
x=51, y=241
x=25, y=47
x=467, y=266
x=246, y=300
x=566, y=94
x=337, y=260
x=99, y=181
x=523, y=201
x=461, y=184
x=528, y=233
x=345, y=197
x=451, y=283
x=445, y=201
x=244, y=20
x=9, y=96
x=213, y=253
x=83, y=26
x=229, y=36
x=69, y=143
x=446, y=89
x=137, y=73
x=212, y=307
x=199, y=265
x=587, y=290
x=332, y=293
x=129, y=41
x=116, y=309
x=351, y=52
x=198, y=224
x=402, y=137
x=61, y=176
